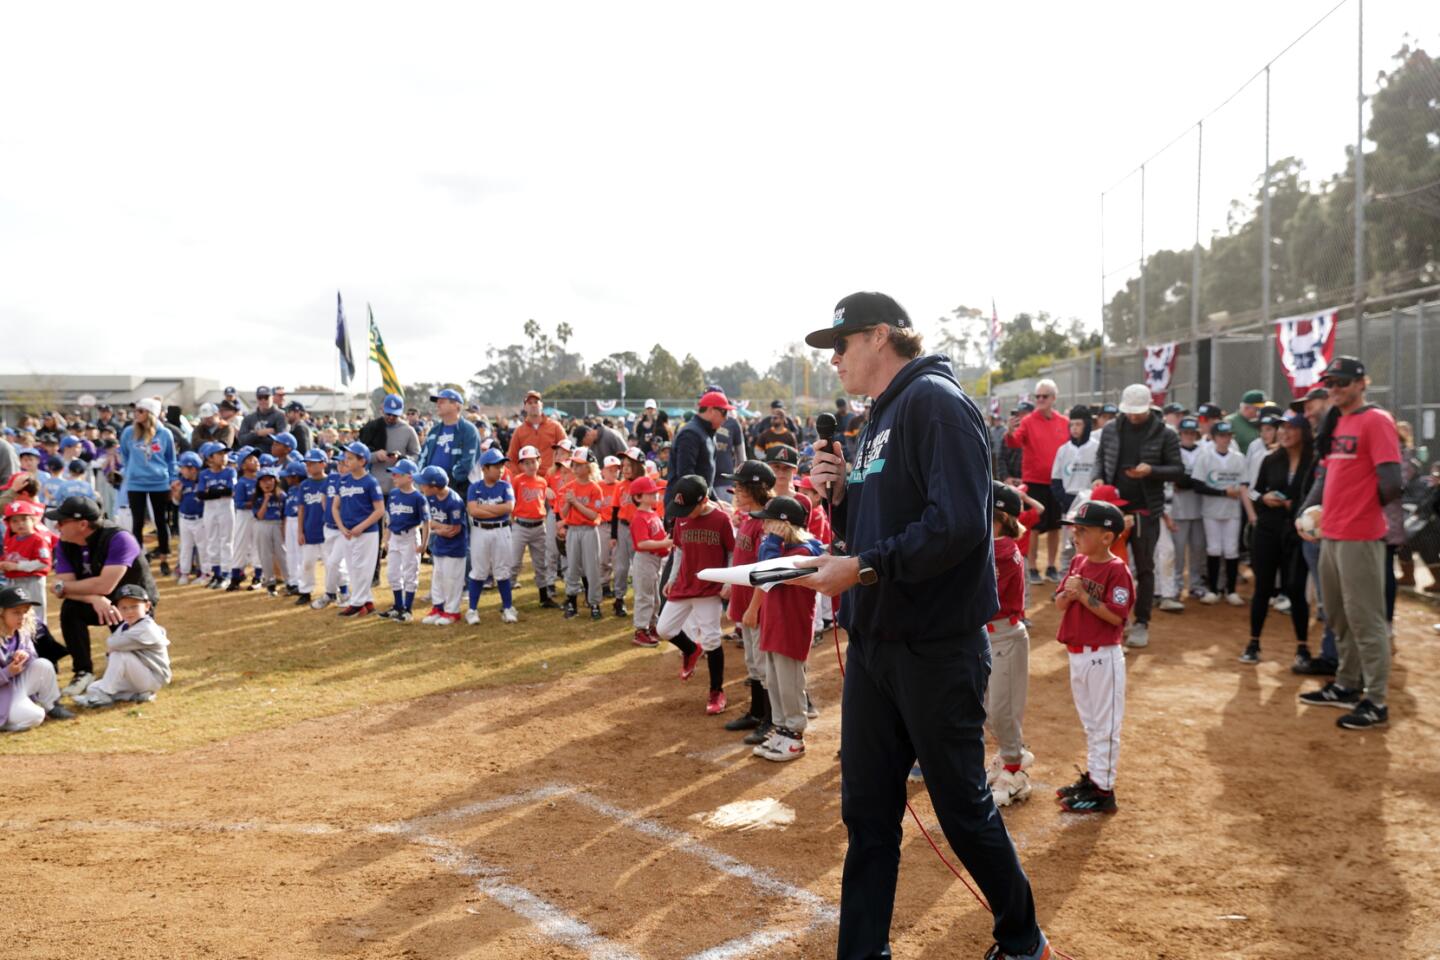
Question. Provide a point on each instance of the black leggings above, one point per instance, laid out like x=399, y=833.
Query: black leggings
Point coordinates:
x=160, y=501
x=1271, y=552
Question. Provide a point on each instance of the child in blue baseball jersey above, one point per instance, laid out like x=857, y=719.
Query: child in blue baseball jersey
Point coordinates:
x=310, y=529
x=448, y=528
x=184, y=493
x=247, y=466
x=291, y=476
x=406, y=532
x=216, y=491
x=333, y=551
x=489, y=503
x=359, y=508
x=76, y=483
x=269, y=532
x=50, y=479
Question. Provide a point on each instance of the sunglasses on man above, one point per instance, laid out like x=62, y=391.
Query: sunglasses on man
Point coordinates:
x=842, y=344
x=1341, y=382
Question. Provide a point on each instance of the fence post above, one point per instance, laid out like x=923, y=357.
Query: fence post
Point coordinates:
x=1103, y=307
x=1419, y=367
x=1265, y=241
x=1195, y=264
x=1141, y=338
x=1394, y=361
x=1360, y=180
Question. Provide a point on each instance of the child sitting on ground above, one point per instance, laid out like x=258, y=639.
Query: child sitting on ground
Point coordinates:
x=28, y=691
x=137, y=663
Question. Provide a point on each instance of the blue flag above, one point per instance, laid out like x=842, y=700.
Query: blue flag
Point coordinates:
x=342, y=343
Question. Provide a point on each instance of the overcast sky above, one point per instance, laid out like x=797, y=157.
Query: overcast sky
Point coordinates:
x=184, y=187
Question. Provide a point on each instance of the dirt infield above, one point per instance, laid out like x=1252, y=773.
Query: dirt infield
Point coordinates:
x=557, y=819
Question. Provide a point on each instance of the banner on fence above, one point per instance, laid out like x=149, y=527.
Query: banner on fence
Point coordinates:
x=1159, y=366
x=604, y=406
x=1306, y=345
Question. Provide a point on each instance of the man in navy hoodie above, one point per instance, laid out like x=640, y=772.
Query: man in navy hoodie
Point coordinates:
x=915, y=509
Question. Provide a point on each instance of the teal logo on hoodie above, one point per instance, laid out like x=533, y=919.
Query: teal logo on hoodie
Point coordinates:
x=870, y=459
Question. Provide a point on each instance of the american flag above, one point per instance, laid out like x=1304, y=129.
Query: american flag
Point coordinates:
x=994, y=332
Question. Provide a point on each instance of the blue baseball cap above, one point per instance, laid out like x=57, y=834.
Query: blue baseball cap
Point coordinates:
x=69, y=440
x=433, y=476
x=27, y=452
x=190, y=459
x=491, y=457
x=394, y=405
x=286, y=439
x=405, y=466
x=209, y=448
x=316, y=455
x=266, y=460
x=244, y=452
x=269, y=472
x=293, y=469
x=448, y=394
x=359, y=449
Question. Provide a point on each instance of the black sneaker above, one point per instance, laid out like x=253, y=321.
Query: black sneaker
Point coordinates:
x=164, y=568
x=607, y=592
x=595, y=611
x=1365, y=716
x=234, y=586
x=620, y=610
x=1252, y=652
x=1090, y=800
x=1052, y=575
x=570, y=608
x=1079, y=786
x=760, y=733
x=302, y=600
x=1331, y=695
x=1316, y=667
x=1033, y=576
x=58, y=712
x=216, y=583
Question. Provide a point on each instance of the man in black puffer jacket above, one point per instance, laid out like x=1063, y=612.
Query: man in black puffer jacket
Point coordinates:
x=1139, y=454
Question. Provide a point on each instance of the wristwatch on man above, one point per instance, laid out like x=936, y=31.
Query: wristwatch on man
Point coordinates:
x=867, y=574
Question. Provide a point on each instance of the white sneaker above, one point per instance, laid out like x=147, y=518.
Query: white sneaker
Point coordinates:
x=78, y=685
x=445, y=621
x=429, y=618
x=182, y=581
x=1171, y=605
x=997, y=765
x=1010, y=787
x=320, y=602
x=763, y=748
x=1234, y=599
x=1139, y=635
x=783, y=747
x=508, y=615
x=472, y=617
x=1210, y=599
x=1282, y=604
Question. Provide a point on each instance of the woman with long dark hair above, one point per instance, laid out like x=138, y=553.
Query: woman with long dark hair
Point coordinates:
x=147, y=456
x=1275, y=546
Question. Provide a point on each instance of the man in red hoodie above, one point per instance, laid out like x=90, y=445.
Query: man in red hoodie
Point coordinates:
x=1039, y=434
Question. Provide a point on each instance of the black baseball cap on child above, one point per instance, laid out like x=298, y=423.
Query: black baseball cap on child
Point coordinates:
x=689, y=492
x=1007, y=498
x=752, y=471
x=10, y=597
x=1097, y=513
x=133, y=591
x=783, y=453
x=782, y=508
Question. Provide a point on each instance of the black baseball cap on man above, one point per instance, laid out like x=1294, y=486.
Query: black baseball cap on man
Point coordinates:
x=1097, y=513
x=859, y=311
x=1349, y=368
x=294, y=406
x=75, y=508
x=690, y=491
x=783, y=508
x=752, y=471
x=1316, y=393
x=262, y=393
x=783, y=453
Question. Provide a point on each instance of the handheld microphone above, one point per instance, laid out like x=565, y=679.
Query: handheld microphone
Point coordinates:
x=825, y=425
x=759, y=577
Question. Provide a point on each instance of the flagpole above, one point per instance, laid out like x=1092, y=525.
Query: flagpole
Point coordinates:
x=369, y=348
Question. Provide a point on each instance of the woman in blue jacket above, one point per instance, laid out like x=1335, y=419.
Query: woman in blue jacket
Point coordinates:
x=147, y=459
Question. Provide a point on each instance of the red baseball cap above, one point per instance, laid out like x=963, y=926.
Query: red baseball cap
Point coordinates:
x=642, y=485
x=716, y=398
x=23, y=508
x=1108, y=493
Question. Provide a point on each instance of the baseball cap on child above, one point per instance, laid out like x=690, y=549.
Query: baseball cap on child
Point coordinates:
x=636, y=454
x=1007, y=498
x=491, y=457
x=133, y=591
x=315, y=455
x=783, y=453
x=529, y=453
x=11, y=598
x=611, y=461
x=642, y=485
x=1108, y=493
x=23, y=508
x=433, y=476
x=359, y=449
x=689, y=491
x=285, y=439
x=405, y=466
x=1209, y=411
x=782, y=508
x=1223, y=427
x=1190, y=423
x=1097, y=513
x=752, y=471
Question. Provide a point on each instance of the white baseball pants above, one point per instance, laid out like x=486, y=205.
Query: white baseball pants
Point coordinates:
x=125, y=673
x=334, y=561
x=645, y=567
x=491, y=553
x=192, y=546
x=243, y=540
x=292, y=551
x=1222, y=538
x=361, y=552
x=310, y=554
x=36, y=680
x=402, y=566
x=1009, y=682
x=534, y=537
x=699, y=617
x=218, y=523
x=624, y=558
x=1097, y=681
x=447, y=583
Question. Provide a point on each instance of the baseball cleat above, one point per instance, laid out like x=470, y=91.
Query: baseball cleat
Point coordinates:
x=642, y=638
x=508, y=615
x=472, y=617
x=782, y=747
x=997, y=765
x=78, y=684
x=1082, y=784
x=717, y=703
x=1090, y=799
x=688, y=661
x=1010, y=787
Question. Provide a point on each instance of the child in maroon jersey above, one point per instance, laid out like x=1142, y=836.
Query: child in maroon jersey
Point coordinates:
x=752, y=485
x=1094, y=601
x=1009, y=655
x=787, y=614
x=704, y=539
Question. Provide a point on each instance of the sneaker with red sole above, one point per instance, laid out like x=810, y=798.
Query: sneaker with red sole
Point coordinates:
x=717, y=703
x=687, y=663
x=643, y=639
x=359, y=611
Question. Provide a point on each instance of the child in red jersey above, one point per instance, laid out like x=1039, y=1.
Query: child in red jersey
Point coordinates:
x=632, y=468
x=787, y=614
x=1094, y=601
x=29, y=552
x=649, y=546
x=752, y=485
x=705, y=539
x=1009, y=656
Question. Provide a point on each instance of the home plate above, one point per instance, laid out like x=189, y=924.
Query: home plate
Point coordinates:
x=766, y=814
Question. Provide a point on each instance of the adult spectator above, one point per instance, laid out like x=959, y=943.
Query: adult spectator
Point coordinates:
x=1139, y=454
x=645, y=426
x=1275, y=554
x=537, y=430
x=693, y=451
x=105, y=416
x=390, y=439
x=1038, y=435
x=296, y=423
x=229, y=413
x=729, y=450
x=94, y=560
x=453, y=443
x=842, y=415
x=211, y=429
x=1314, y=405
x=603, y=441
x=9, y=462
x=262, y=423
x=148, y=460
x=1245, y=422
x=915, y=510
x=233, y=396
x=174, y=423
x=776, y=432
x=662, y=433
x=1361, y=473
